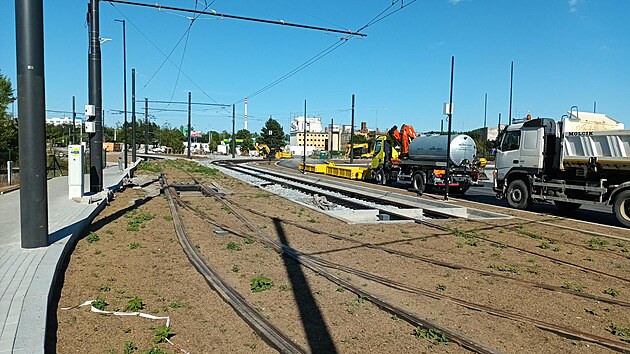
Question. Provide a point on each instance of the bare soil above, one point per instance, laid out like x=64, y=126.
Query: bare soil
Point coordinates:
x=317, y=313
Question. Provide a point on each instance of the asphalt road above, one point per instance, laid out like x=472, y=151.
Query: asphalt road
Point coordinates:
x=596, y=214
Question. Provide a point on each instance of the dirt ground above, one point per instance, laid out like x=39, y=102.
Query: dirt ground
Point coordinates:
x=494, y=263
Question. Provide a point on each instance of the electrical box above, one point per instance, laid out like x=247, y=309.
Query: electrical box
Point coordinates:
x=448, y=109
x=90, y=127
x=90, y=110
x=76, y=158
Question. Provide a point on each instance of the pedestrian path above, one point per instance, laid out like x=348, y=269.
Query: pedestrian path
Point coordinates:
x=27, y=275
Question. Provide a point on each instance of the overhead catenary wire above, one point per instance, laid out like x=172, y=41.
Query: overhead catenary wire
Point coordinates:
x=161, y=51
x=327, y=50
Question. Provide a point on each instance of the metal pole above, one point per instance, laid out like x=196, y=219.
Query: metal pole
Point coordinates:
x=126, y=152
x=189, y=108
x=95, y=99
x=146, y=125
x=485, y=111
x=594, y=106
x=304, y=141
x=352, y=133
x=29, y=33
x=133, y=115
x=233, y=135
x=448, y=140
x=441, y=125
x=499, y=126
x=332, y=123
x=74, y=117
x=511, y=82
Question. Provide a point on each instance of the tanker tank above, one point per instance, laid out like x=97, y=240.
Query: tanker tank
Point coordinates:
x=433, y=149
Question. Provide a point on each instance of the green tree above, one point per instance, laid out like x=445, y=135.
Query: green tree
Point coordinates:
x=272, y=135
x=248, y=142
x=8, y=125
x=173, y=138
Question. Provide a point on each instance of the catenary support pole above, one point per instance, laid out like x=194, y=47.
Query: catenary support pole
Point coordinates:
x=133, y=115
x=188, y=137
x=304, y=141
x=74, y=124
x=146, y=125
x=485, y=111
x=126, y=150
x=511, y=84
x=447, y=182
x=352, y=132
x=29, y=33
x=332, y=124
x=233, y=140
x=95, y=98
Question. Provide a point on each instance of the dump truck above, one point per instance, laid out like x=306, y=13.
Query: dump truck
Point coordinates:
x=583, y=159
x=421, y=161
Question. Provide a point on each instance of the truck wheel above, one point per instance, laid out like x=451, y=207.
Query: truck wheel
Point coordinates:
x=567, y=206
x=380, y=177
x=518, y=194
x=621, y=208
x=417, y=182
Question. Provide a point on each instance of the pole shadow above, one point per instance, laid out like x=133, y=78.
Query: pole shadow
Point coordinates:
x=317, y=334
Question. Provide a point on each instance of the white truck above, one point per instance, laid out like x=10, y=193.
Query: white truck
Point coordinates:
x=584, y=159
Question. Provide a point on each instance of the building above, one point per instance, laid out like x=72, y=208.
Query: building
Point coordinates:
x=491, y=133
x=64, y=120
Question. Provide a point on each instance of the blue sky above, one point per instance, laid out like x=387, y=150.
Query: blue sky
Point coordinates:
x=565, y=52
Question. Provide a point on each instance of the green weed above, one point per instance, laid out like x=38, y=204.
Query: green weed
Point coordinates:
x=260, y=283
x=440, y=287
x=509, y=269
x=137, y=219
x=129, y=348
x=92, y=237
x=235, y=268
x=596, y=242
x=573, y=286
x=233, y=246
x=544, y=245
x=149, y=166
x=134, y=304
x=622, y=332
x=99, y=303
x=612, y=292
x=354, y=306
x=341, y=289
x=161, y=334
x=434, y=335
x=285, y=287
x=153, y=351
x=134, y=245
x=105, y=288
x=249, y=240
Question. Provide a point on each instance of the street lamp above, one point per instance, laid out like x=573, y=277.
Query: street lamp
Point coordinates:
x=124, y=87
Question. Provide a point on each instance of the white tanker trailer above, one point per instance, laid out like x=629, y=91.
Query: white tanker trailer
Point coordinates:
x=422, y=161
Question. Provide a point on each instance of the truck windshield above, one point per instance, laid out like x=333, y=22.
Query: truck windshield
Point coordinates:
x=511, y=140
x=377, y=146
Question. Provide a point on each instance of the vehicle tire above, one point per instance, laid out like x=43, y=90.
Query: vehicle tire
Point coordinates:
x=417, y=182
x=567, y=206
x=621, y=208
x=380, y=177
x=518, y=194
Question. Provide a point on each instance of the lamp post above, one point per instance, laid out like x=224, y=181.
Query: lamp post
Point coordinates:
x=124, y=87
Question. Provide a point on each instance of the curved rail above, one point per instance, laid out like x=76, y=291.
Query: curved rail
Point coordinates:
x=261, y=325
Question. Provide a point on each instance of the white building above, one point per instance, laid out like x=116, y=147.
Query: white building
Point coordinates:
x=64, y=120
x=313, y=125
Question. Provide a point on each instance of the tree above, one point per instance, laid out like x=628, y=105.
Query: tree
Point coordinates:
x=8, y=125
x=173, y=138
x=248, y=142
x=6, y=95
x=272, y=135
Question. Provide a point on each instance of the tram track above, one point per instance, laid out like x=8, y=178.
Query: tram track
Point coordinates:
x=316, y=264
x=450, y=231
